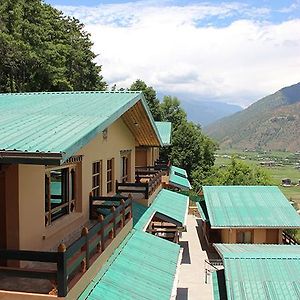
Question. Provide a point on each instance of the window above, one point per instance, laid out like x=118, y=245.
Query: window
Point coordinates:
x=109, y=175
x=124, y=169
x=244, y=237
x=96, y=178
x=60, y=193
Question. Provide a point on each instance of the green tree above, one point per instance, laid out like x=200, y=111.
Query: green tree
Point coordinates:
x=42, y=50
x=236, y=173
x=150, y=96
x=172, y=111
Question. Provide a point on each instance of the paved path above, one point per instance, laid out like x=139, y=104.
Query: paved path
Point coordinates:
x=191, y=284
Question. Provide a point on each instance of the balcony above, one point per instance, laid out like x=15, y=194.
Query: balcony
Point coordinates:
x=58, y=271
x=148, y=181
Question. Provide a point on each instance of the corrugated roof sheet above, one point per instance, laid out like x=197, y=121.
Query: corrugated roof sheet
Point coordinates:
x=202, y=210
x=249, y=206
x=169, y=203
x=61, y=122
x=164, y=129
x=261, y=271
x=143, y=267
x=137, y=211
x=178, y=177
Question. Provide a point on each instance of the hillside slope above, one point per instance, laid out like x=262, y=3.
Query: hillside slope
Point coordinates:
x=271, y=123
x=207, y=112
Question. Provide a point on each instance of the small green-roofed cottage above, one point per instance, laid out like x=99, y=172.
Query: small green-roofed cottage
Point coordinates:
x=246, y=214
x=178, y=179
x=261, y=272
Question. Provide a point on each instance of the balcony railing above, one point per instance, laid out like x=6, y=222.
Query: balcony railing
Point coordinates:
x=146, y=182
x=70, y=263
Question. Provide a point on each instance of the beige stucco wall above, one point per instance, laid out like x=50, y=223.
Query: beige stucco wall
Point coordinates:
x=118, y=138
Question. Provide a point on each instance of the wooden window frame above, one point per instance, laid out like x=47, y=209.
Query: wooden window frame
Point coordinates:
x=97, y=178
x=110, y=175
x=68, y=193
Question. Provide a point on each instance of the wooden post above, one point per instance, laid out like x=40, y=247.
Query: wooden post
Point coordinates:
x=113, y=209
x=91, y=205
x=102, y=246
x=84, y=233
x=123, y=212
x=147, y=191
x=62, y=280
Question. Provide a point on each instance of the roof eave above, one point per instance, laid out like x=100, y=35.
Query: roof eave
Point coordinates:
x=34, y=158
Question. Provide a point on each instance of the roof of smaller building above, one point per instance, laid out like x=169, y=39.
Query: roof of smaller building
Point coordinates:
x=62, y=123
x=171, y=204
x=261, y=271
x=164, y=130
x=143, y=267
x=249, y=206
x=178, y=177
x=137, y=211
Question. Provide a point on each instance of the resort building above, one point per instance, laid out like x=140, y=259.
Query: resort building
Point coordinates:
x=69, y=182
x=246, y=214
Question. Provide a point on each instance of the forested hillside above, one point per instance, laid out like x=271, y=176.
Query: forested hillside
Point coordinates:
x=269, y=124
x=43, y=50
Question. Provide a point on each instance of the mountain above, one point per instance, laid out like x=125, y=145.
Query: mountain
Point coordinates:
x=271, y=123
x=206, y=113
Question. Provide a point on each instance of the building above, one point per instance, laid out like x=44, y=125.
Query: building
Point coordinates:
x=257, y=272
x=63, y=158
x=246, y=214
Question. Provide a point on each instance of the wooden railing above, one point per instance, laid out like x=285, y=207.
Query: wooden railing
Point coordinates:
x=146, y=182
x=70, y=263
x=288, y=239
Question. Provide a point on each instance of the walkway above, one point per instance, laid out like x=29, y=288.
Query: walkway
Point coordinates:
x=191, y=284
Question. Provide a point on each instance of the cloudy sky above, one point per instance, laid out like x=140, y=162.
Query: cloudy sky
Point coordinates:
x=228, y=51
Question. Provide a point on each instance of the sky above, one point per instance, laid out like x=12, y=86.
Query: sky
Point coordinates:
x=227, y=51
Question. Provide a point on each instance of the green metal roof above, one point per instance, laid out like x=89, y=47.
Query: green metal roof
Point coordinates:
x=164, y=129
x=178, y=177
x=202, y=210
x=261, y=271
x=143, y=267
x=61, y=122
x=249, y=206
x=137, y=211
x=169, y=203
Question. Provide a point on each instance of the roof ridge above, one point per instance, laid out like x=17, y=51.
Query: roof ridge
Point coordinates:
x=70, y=92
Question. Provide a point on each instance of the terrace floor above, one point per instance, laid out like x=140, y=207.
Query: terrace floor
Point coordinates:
x=191, y=284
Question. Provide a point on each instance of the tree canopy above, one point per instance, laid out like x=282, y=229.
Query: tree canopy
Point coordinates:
x=235, y=173
x=43, y=50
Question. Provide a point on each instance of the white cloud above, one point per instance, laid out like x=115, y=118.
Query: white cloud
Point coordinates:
x=166, y=46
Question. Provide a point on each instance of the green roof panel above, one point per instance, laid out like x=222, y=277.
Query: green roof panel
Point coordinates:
x=249, y=206
x=61, y=122
x=178, y=177
x=164, y=129
x=143, y=267
x=169, y=203
x=137, y=211
x=261, y=271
